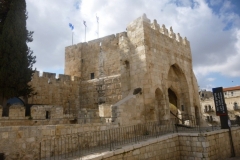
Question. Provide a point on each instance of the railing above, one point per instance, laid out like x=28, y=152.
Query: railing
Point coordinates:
x=84, y=120
x=89, y=142
x=235, y=122
x=85, y=143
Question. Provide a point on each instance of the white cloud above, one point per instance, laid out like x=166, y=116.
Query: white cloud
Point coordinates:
x=210, y=79
x=214, y=48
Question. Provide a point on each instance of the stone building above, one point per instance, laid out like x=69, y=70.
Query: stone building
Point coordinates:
x=232, y=100
x=146, y=56
x=101, y=76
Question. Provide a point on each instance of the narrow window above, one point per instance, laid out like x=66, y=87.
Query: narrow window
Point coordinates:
x=82, y=60
x=211, y=119
x=47, y=114
x=205, y=108
x=209, y=107
x=182, y=106
x=92, y=75
x=208, y=118
x=232, y=93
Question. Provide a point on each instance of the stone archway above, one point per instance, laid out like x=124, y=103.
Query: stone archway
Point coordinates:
x=197, y=115
x=177, y=82
x=159, y=105
x=173, y=103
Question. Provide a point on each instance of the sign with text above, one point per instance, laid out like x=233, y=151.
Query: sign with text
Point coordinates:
x=219, y=101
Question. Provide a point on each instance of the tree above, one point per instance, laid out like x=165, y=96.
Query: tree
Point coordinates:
x=16, y=59
x=4, y=8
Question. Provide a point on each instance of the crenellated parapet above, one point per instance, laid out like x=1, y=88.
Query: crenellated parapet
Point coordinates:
x=53, y=89
x=163, y=30
x=53, y=77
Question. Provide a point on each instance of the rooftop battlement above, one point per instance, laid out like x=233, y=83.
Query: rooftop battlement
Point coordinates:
x=55, y=77
x=143, y=21
x=98, y=42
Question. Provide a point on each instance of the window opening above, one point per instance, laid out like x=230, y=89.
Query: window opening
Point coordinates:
x=182, y=106
x=92, y=75
x=47, y=115
x=209, y=107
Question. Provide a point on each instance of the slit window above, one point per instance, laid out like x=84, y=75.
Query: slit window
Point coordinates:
x=182, y=106
x=92, y=75
x=47, y=115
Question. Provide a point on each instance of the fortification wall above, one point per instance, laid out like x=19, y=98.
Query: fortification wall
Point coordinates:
x=46, y=112
x=162, y=60
x=40, y=115
x=23, y=142
x=16, y=112
x=62, y=91
x=178, y=146
x=110, y=87
x=84, y=58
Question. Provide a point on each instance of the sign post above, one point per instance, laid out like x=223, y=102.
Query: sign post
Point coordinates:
x=221, y=111
x=220, y=106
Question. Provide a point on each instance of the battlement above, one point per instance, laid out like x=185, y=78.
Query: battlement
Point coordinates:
x=55, y=77
x=143, y=21
x=98, y=42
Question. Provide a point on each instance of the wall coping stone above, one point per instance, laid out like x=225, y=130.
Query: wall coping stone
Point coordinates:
x=118, y=151
x=107, y=154
x=127, y=148
x=139, y=145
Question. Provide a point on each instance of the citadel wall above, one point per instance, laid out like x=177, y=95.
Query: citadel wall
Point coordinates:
x=24, y=143
x=84, y=58
x=105, y=59
x=147, y=56
x=91, y=90
x=170, y=65
x=16, y=112
x=62, y=91
x=159, y=60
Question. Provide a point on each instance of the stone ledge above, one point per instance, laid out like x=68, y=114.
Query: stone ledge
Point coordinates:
x=118, y=151
x=135, y=146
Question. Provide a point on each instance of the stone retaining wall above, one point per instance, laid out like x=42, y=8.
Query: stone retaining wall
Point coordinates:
x=194, y=146
x=23, y=142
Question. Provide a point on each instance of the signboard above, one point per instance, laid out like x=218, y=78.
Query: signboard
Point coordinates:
x=221, y=109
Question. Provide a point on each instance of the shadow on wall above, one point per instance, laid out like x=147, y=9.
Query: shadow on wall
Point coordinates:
x=10, y=102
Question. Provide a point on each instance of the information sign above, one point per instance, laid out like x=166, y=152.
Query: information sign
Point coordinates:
x=219, y=101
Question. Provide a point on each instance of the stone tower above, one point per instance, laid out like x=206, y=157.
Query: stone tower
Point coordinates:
x=147, y=56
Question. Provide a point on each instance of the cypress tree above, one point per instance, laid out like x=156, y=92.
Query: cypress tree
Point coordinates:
x=16, y=59
x=4, y=8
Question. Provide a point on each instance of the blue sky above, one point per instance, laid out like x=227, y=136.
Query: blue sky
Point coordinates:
x=211, y=26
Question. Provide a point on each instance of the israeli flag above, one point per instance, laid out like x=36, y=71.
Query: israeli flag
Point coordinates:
x=71, y=26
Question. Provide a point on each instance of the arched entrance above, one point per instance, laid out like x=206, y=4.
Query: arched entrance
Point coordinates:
x=160, y=105
x=172, y=103
x=197, y=115
x=178, y=90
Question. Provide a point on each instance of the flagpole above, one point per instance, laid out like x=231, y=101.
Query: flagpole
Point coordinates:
x=85, y=33
x=98, y=26
x=84, y=22
x=71, y=27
